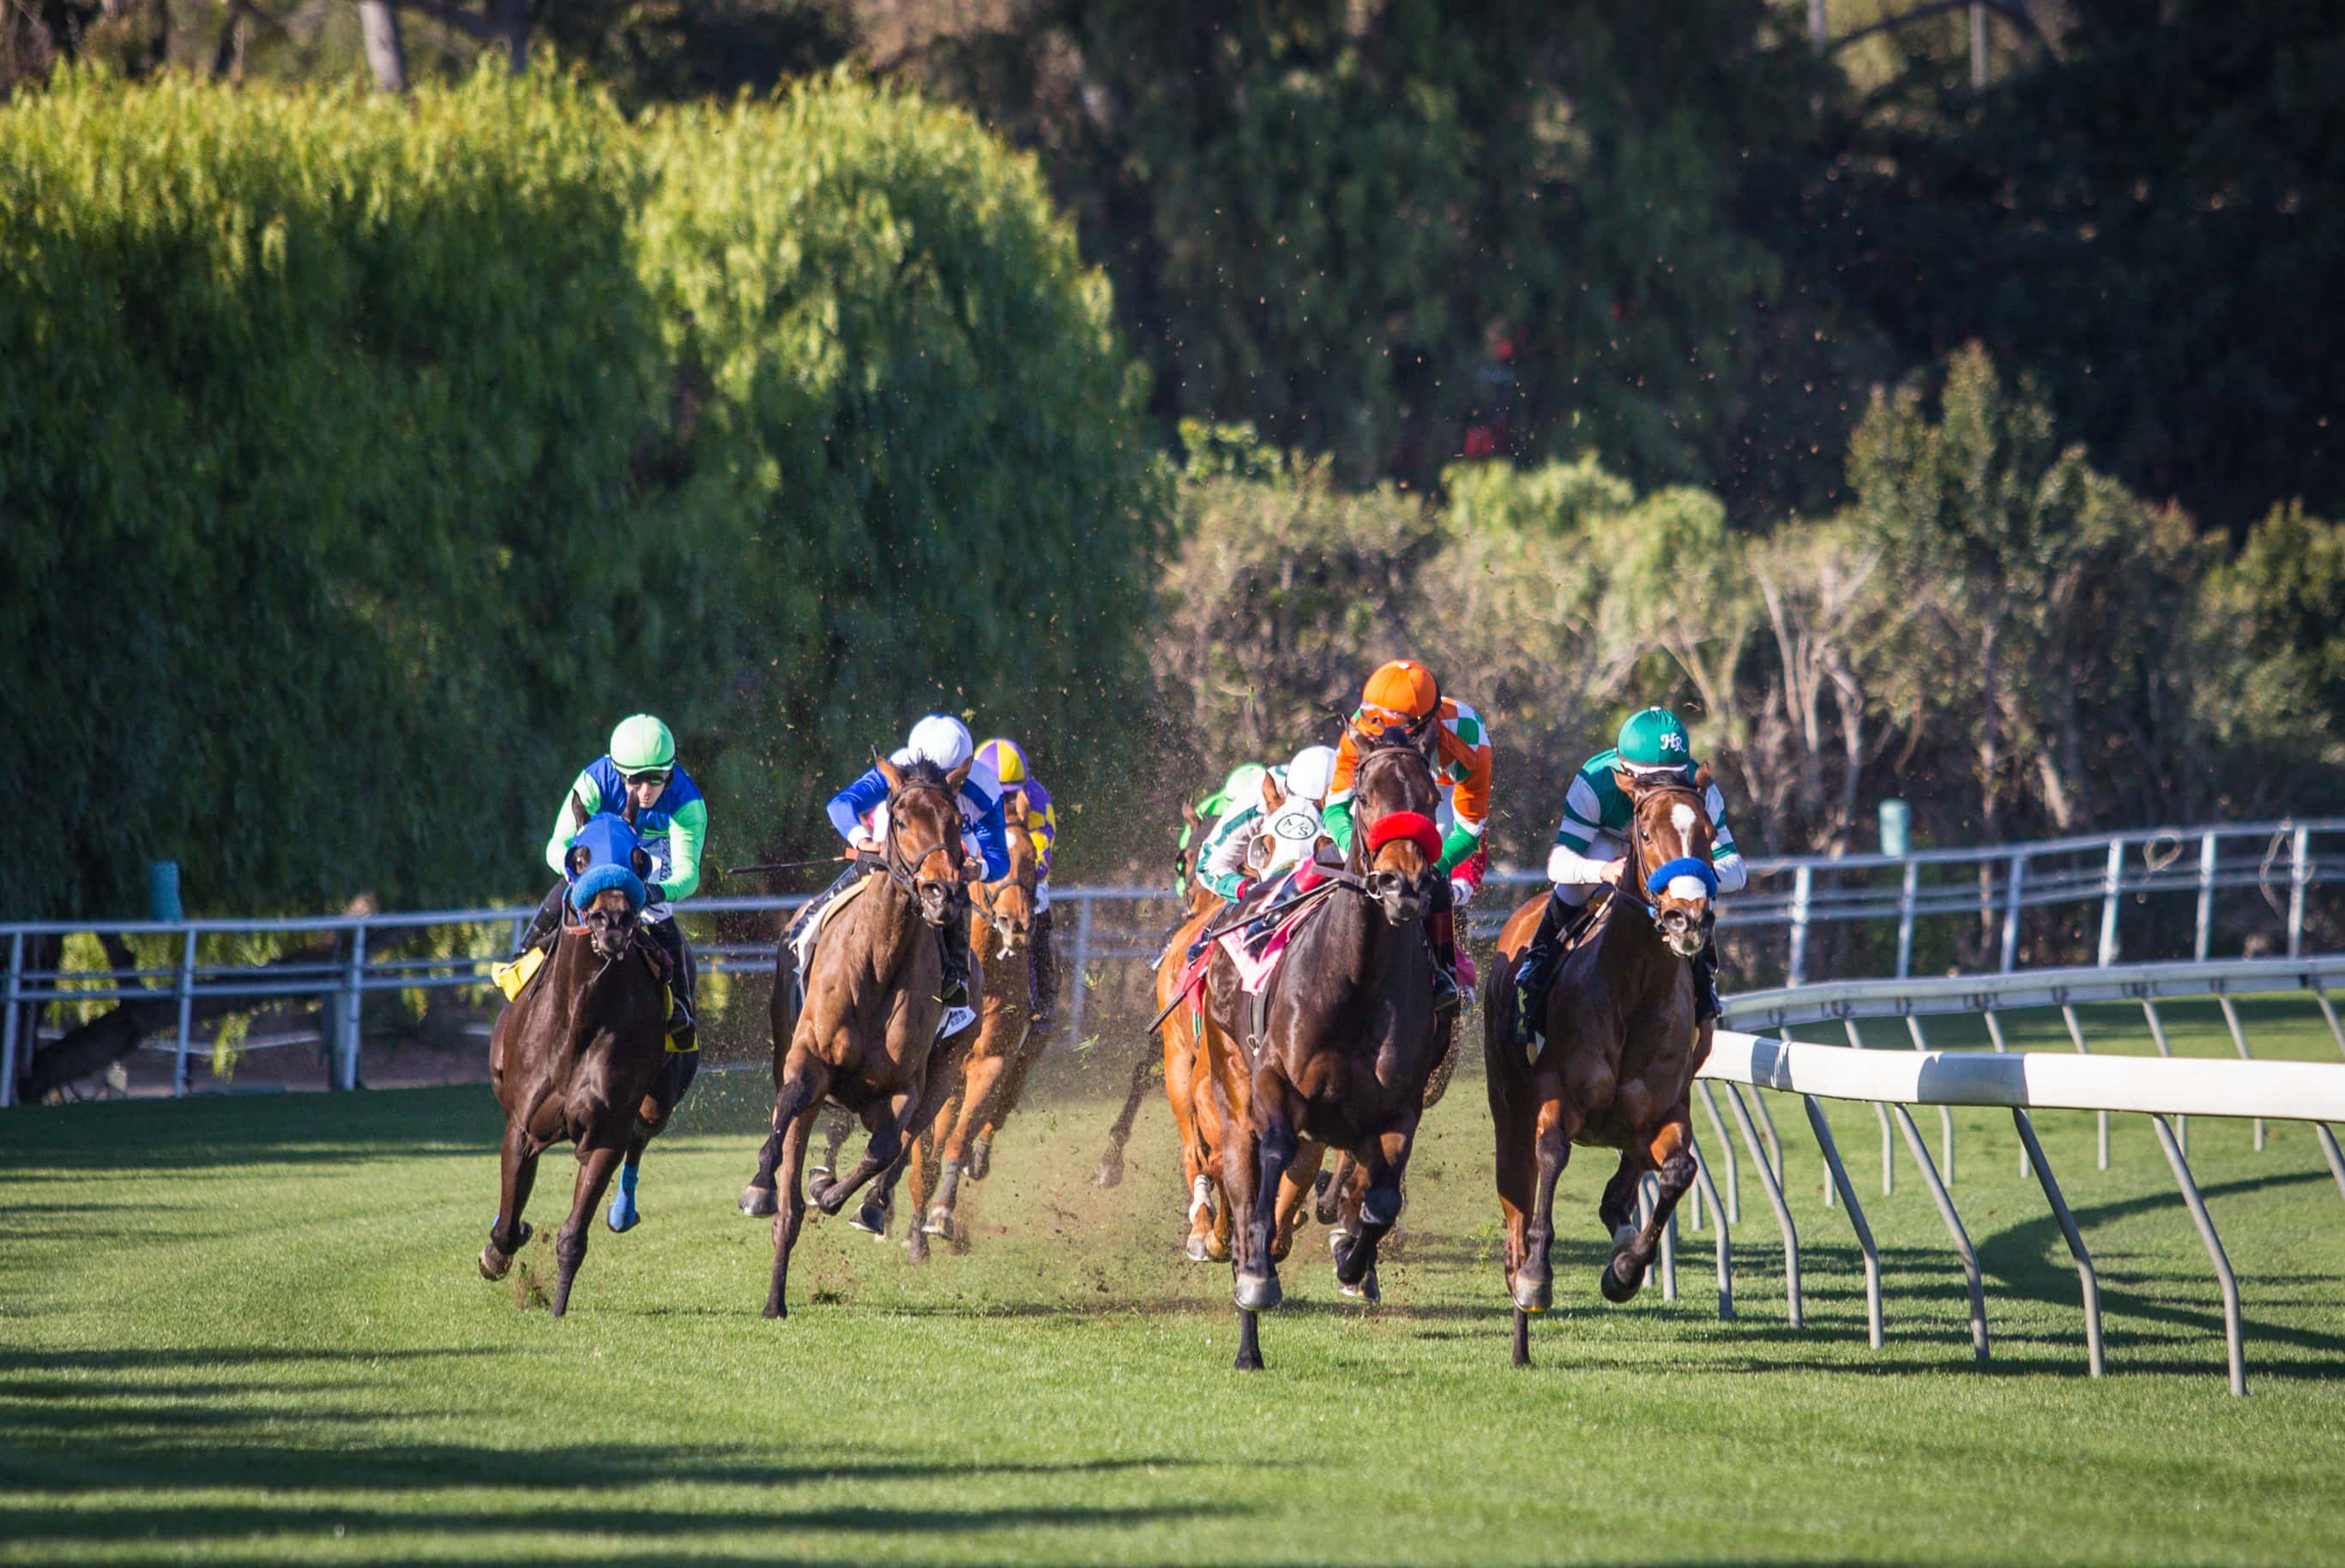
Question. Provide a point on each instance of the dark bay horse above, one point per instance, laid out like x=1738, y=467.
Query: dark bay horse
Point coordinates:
x=988, y=1074
x=1348, y=1041
x=867, y=1031
x=580, y=1056
x=1616, y=1065
x=1195, y=902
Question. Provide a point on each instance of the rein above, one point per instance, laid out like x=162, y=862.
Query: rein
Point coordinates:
x=1642, y=896
x=905, y=872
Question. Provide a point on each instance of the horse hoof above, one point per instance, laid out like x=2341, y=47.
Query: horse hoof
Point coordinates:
x=938, y=1223
x=1534, y=1295
x=1258, y=1292
x=758, y=1202
x=1337, y=1237
x=1365, y=1290
x=1198, y=1249
x=870, y=1217
x=1110, y=1171
x=624, y=1216
x=980, y=1158
x=916, y=1247
x=1615, y=1289
x=494, y=1265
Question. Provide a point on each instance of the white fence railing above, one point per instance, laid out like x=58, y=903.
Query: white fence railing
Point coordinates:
x=2281, y=861
x=1892, y=1081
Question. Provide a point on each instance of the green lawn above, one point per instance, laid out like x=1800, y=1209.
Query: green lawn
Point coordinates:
x=250, y=1329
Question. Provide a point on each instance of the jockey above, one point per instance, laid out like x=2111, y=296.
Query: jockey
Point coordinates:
x=1244, y=783
x=672, y=820
x=944, y=741
x=1017, y=779
x=1591, y=849
x=1403, y=693
x=1223, y=864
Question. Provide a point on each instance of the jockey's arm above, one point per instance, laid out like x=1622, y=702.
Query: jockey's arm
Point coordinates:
x=857, y=800
x=1571, y=863
x=991, y=831
x=587, y=793
x=1042, y=824
x=1221, y=864
x=1470, y=800
x=1725, y=858
x=688, y=831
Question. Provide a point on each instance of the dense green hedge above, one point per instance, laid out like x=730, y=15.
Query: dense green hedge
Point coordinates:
x=361, y=460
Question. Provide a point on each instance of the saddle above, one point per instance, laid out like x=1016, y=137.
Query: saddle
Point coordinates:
x=803, y=939
x=514, y=977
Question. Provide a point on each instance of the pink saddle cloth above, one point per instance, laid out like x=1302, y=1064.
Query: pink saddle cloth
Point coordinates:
x=1254, y=968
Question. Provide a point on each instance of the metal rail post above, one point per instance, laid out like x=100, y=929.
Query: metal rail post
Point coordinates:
x=1803, y=888
x=1733, y=1209
x=1718, y=1212
x=1767, y=1122
x=2086, y=1276
x=2300, y=859
x=1793, y=1317
x=2328, y=1010
x=1906, y=898
x=2239, y=1041
x=1083, y=975
x=2158, y=1038
x=1945, y=1116
x=346, y=1054
x=8, y=1026
x=1962, y=1240
x=2077, y=1033
x=2111, y=878
x=1994, y=1035
x=1649, y=1202
x=2329, y=1152
x=2206, y=896
x=2013, y=883
x=185, y=988
x=1855, y=1217
x=1888, y=1138
x=2233, y=1338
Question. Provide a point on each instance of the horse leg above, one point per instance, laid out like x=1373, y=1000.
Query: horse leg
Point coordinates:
x=1111, y=1165
x=517, y=1175
x=793, y=1112
x=888, y=1127
x=1328, y=1209
x=1381, y=1169
x=1551, y=1134
x=1005, y=1100
x=1618, y=1209
x=624, y=1216
x=1275, y=1146
x=1293, y=1188
x=920, y=1166
x=979, y=1087
x=1671, y=1153
x=599, y=1153
x=757, y=1197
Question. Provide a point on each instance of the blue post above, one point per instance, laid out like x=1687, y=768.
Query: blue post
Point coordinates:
x=163, y=892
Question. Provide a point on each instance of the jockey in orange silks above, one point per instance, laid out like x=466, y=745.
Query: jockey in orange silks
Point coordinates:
x=1404, y=692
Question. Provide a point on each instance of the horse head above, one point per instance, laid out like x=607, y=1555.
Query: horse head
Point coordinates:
x=605, y=866
x=924, y=829
x=1672, y=836
x=1008, y=904
x=1396, y=847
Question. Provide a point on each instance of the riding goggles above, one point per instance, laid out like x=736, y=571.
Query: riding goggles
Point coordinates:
x=647, y=776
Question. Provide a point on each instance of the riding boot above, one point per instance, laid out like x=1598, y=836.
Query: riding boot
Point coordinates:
x=681, y=1031
x=1706, y=1004
x=1045, y=968
x=545, y=925
x=1441, y=929
x=953, y=942
x=1560, y=925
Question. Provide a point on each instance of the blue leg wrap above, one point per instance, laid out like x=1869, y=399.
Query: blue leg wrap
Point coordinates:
x=622, y=1215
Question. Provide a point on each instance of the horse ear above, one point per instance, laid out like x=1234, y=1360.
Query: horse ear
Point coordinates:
x=959, y=775
x=1189, y=815
x=627, y=809
x=887, y=771
x=577, y=810
x=1270, y=795
x=642, y=862
x=577, y=860
x=1702, y=778
x=1628, y=784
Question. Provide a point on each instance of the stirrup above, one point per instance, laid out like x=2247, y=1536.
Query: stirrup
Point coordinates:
x=1447, y=997
x=954, y=991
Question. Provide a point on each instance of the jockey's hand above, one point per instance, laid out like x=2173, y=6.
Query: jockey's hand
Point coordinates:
x=1614, y=871
x=652, y=895
x=1461, y=891
x=862, y=844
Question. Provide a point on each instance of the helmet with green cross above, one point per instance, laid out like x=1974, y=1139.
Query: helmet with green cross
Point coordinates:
x=1655, y=739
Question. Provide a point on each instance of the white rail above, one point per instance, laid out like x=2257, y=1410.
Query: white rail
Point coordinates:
x=2028, y=988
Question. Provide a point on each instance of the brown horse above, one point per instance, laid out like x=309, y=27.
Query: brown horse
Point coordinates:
x=988, y=1072
x=1195, y=901
x=579, y=1057
x=866, y=1030
x=1348, y=1040
x=1617, y=1061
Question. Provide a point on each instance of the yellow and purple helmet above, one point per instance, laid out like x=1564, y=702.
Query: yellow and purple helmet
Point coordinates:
x=1007, y=762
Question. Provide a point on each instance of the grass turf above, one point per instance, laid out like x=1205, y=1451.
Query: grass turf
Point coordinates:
x=250, y=1330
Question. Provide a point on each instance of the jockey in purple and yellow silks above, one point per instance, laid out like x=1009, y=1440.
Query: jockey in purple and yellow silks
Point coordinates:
x=1018, y=782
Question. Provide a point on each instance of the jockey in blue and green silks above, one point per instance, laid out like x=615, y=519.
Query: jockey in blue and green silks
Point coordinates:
x=672, y=820
x=1591, y=849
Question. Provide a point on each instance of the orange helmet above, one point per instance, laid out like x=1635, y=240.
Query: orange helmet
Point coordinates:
x=1405, y=687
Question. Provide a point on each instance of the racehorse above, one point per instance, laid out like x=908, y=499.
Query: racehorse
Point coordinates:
x=1198, y=901
x=867, y=1029
x=987, y=1075
x=1616, y=1065
x=1348, y=1041
x=578, y=1055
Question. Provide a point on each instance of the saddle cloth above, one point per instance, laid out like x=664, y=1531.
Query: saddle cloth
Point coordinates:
x=802, y=944
x=1256, y=964
x=514, y=978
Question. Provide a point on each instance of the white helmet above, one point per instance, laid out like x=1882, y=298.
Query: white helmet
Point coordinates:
x=939, y=739
x=1312, y=773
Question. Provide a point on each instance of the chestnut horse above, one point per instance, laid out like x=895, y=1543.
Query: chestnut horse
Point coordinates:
x=1348, y=1041
x=1196, y=902
x=986, y=1076
x=1616, y=1065
x=579, y=1056
x=866, y=1030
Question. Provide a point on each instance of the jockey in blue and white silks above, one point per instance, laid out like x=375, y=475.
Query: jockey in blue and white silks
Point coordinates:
x=943, y=740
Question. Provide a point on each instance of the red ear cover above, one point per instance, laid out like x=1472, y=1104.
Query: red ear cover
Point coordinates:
x=1414, y=826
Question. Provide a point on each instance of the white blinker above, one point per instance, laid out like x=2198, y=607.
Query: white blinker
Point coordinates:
x=1688, y=888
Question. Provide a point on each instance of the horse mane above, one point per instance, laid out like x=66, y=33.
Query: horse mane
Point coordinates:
x=922, y=770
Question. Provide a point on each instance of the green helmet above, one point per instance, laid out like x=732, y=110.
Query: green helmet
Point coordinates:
x=642, y=741
x=1244, y=780
x=1654, y=738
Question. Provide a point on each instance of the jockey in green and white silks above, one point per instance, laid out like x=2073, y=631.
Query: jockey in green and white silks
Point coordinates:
x=1591, y=848
x=1222, y=863
x=1244, y=784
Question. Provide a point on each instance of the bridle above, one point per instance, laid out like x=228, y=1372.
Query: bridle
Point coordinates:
x=904, y=870
x=1387, y=752
x=1641, y=895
